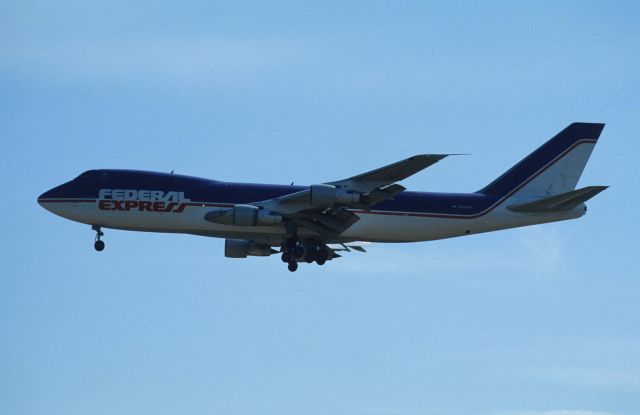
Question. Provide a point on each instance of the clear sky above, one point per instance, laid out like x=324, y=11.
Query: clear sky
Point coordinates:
x=533, y=321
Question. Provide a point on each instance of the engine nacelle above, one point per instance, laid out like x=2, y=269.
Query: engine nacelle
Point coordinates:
x=327, y=195
x=322, y=194
x=241, y=248
x=268, y=218
x=344, y=197
x=243, y=215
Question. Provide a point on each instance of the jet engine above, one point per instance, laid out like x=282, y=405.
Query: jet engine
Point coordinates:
x=241, y=248
x=328, y=195
x=243, y=215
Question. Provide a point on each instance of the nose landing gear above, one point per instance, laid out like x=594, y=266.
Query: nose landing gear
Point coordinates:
x=98, y=245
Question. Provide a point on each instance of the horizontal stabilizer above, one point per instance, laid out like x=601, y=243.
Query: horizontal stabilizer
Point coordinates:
x=557, y=203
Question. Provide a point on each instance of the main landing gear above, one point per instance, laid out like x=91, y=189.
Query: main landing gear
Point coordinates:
x=98, y=245
x=294, y=251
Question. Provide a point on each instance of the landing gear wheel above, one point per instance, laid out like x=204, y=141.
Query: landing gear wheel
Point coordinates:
x=293, y=266
x=98, y=245
x=323, y=255
x=311, y=255
x=286, y=256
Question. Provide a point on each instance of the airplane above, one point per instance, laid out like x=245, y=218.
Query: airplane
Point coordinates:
x=317, y=223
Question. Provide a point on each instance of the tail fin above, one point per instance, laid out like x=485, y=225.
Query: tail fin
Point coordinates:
x=552, y=169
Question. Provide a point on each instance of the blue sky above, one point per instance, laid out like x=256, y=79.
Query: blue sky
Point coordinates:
x=533, y=321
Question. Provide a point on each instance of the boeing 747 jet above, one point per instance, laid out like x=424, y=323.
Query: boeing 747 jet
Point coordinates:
x=320, y=222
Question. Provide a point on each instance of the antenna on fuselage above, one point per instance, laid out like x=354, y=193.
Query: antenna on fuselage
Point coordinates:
x=171, y=171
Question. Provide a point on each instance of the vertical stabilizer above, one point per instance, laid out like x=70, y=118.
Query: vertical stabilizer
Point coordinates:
x=552, y=169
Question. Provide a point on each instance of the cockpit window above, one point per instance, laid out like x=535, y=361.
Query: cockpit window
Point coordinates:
x=92, y=178
x=89, y=174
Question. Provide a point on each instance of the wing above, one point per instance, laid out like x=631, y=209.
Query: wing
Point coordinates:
x=391, y=173
x=327, y=208
x=361, y=191
x=324, y=208
x=334, y=249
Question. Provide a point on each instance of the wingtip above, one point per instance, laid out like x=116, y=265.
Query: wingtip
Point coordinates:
x=438, y=156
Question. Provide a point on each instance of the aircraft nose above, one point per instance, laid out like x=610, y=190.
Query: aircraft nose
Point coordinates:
x=57, y=192
x=43, y=197
x=50, y=199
